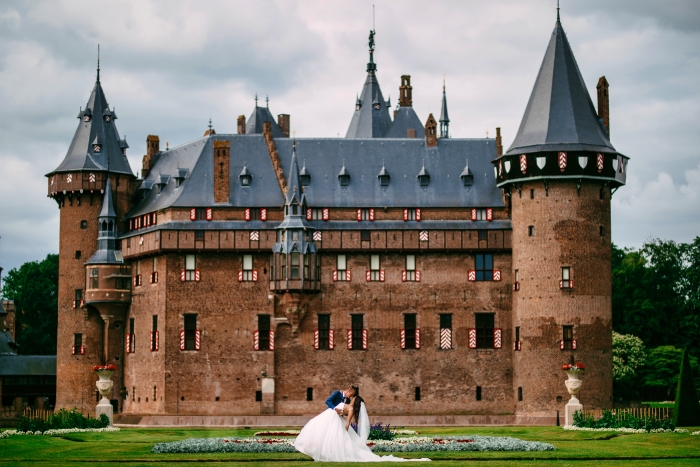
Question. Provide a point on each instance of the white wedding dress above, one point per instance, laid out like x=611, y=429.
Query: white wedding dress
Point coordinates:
x=324, y=438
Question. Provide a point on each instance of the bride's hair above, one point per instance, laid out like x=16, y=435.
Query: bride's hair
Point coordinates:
x=356, y=405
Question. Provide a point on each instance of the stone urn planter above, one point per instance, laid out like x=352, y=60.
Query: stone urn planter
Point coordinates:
x=104, y=385
x=573, y=385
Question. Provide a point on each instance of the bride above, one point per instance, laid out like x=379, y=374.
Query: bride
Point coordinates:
x=328, y=436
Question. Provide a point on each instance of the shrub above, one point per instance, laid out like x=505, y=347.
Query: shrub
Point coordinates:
x=687, y=410
x=376, y=432
x=61, y=420
x=610, y=420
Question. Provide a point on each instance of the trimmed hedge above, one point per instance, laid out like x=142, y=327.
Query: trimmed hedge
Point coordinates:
x=61, y=420
x=610, y=420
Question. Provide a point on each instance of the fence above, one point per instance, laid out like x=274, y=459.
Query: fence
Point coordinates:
x=640, y=412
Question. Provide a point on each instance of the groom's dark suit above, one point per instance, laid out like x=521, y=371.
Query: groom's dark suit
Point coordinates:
x=336, y=398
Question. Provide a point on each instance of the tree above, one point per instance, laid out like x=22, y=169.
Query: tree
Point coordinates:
x=687, y=410
x=660, y=374
x=34, y=288
x=629, y=357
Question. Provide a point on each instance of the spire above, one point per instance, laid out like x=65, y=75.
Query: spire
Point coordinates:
x=267, y=101
x=444, y=118
x=98, y=63
x=256, y=100
x=107, y=251
x=560, y=115
x=107, y=202
x=558, y=19
x=293, y=180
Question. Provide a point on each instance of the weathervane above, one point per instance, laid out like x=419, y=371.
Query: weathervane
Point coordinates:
x=98, y=62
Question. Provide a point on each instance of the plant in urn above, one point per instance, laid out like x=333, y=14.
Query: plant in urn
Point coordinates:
x=104, y=385
x=573, y=385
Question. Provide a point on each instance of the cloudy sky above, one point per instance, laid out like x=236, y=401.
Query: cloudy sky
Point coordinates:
x=168, y=67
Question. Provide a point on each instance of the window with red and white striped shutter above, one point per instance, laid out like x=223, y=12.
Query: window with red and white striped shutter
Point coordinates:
x=445, y=338
x=497, y=338
x=316, y=339
x=128, y=343
x=247, y=214
x=78, y=349
x=418, y=214
x=240, y=275
x=272, y=341
x=309, y=214
x=489, y=214
x=331, y=340
x=472, y=338
x=183, y=276
x=561, y=344
x=417, y=275
x=473, y=214
x=497, y=274
x=182, y=339
x=255, y=275
x=405, y=214
x=371, y=214
x=359, y=214
x=364, y=339
x=155, y=218
x=209, y=214
x=471, y=275
x=193, y=214
x=573, y=344
x=263, y=214
x=349, y=339
x=418, y=338
x=256, y=340
x=403, y=275
x=335, y=275
x=381, y=275
x=325, y=214
x=197, y=275
x=154, y=341
x=369, y=275
x=348, y=275
x=403, y=338
x=131, y=224
x=197, y=339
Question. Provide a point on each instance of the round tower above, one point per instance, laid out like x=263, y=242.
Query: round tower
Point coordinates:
x=560, y=173
x=95, y=167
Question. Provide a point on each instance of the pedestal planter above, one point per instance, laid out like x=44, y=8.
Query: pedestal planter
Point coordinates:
x=573, y=385
x=104, y=385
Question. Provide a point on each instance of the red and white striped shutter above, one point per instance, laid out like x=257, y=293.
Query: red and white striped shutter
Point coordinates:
x=489, y=214
x=72, y=350
x=473, y=214
x=561, y=345
x=471, y=275
x=135, y=281
x=82, y=350
x=128, y=343
x=150, y=278
x=240, y=275
x=405, y=214
x=272, y=340
x=359, y=214
x=371, y=214
x=381, y=275
x=497, y=338
x=193, y=214
x=255, y=275
x=573, y=344
x=417, y=275
x=155, y=218
x=137, y=222
x=369, y=275
x=256, y=340
x=151, y=344
x=183, y=276
x=403, y=276
x=335, y=275
x=348, y=275
x=157, y=341
x=418, y=338
x=316, y=339
x=403, y=338
x=418, y=214
x=247, y=214
x=210, y=214
x=472, y=338
x=364, y=339
x=309, y=214
x=182, y=339
x=349, y=339
x=497, y=274
x=325, y=214
x=131, y=224
x=331, y=341
x=263, y=214
x=445, y=338
x=197, y=275
x=571, y=283
x=155, y=276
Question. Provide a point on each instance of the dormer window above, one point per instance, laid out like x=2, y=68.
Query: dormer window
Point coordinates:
x=467, y=177
x=304, y=176
x=245, y=176
x=423, y=177
x=384, y=177
x=180, y=175
x=377, y=106
x=86, y=118
x=108, y=118
x=162, y=182
x=344, y=176
x=96, y=144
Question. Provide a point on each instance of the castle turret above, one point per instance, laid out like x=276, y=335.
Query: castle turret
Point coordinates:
x=406, y=123
x=95, y=167
x=444, y=118
x=560, y=173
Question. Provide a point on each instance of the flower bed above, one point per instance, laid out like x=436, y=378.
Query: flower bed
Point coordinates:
x=65, y=431
x=629, y=430
x=278, y=433
x=412, y=444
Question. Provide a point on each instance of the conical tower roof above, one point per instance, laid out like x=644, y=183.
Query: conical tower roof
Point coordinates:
x=371, y=118
x=443, y=111
x=560, y=115
x=293, y=180
x=97, y=123
x=259, y=116
x=108, y=203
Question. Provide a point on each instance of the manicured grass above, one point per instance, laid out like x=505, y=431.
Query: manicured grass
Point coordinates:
x=131, y=447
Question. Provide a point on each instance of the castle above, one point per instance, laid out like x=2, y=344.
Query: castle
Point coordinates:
x=254, y=273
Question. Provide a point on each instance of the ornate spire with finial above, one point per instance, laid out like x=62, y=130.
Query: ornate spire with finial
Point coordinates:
x=98, y=63
x=210, y=125
x=267, y=101
x=256, y=100
x=444, y=118
x=558, y=19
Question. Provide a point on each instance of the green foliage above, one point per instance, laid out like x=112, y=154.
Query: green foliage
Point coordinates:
x=661, y=369
x=610, y=420
x=377, y=431
x=34, y=288
x=687, y=410
x=61, y=420
x=628, y=356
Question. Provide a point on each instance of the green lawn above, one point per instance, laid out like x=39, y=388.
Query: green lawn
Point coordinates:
x=131, y=447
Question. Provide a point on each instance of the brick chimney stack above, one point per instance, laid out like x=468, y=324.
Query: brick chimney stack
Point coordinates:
x=499, y=142
x=604, y=102
x=283, y=123
x=241, y=124
x=431, y=131
x=406, y=91
x=222, y=171
x=152, y=148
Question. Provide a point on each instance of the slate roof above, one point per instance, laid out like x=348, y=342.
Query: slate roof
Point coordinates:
x=28, y=365
x=7, y=345
x=560, y=115
x=444, y=117
x=323, y=158
x=81, y=155
x=260, y=115
x=368, y=122
x=108, y=203
x=405, y=118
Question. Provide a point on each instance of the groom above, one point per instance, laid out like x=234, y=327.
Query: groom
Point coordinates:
x=341, y=396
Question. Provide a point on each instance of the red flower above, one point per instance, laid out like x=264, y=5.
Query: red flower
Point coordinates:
x=104, y=368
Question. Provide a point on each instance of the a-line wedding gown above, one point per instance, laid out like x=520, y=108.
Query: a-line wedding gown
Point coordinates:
x=324, y=438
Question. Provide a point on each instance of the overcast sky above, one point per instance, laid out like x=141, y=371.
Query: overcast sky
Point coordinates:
x=168, y=67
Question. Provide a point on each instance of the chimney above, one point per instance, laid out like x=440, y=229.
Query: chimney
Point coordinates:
x=604, y=103
x=241, y=124
x=222, y=171
x=152, y=148
x=431, y=131
x=283, y=123
x=499, y=142
x=405, y=91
